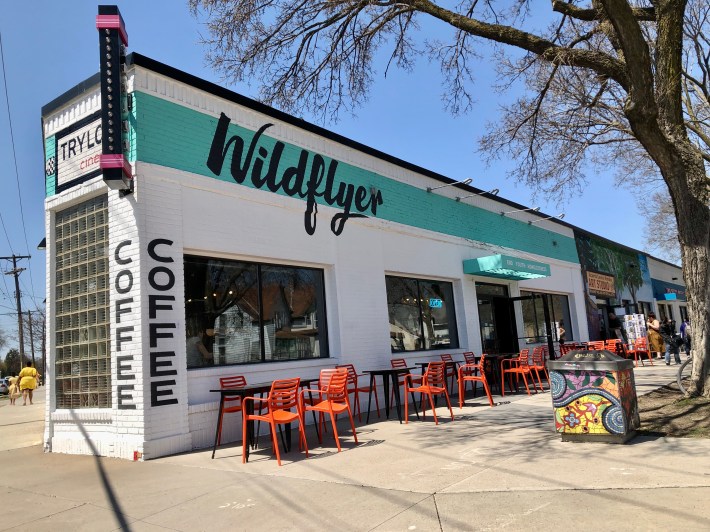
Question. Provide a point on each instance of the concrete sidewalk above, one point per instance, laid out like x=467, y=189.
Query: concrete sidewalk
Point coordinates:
x=490, y=469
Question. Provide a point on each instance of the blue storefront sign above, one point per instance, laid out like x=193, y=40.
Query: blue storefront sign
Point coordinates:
x=665, y=291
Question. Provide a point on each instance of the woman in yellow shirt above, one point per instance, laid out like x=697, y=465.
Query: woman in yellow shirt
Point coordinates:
x=28, y=382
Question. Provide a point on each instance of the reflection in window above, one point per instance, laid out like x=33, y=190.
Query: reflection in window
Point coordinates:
x=241, y=313
x=421, y=314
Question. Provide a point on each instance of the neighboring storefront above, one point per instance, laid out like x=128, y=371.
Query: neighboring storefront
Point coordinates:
x=616, y=280
x=668, y=291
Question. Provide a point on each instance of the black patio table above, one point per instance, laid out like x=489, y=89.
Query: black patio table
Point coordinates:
x=250, y=390
x=388, y=374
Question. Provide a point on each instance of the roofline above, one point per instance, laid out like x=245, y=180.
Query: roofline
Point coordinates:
x=87, y=85
x=135, y=58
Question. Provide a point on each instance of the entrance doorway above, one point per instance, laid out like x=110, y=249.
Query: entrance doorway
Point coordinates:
x=496, y=318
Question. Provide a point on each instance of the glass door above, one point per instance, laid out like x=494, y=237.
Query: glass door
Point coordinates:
x=496, y=319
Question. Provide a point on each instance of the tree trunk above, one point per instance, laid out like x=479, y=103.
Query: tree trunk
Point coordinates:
x=695, y=221
x=690, y=198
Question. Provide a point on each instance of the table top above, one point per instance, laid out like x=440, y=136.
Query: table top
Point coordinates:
x=387, y=371
x=447, y=362
x=258, y=387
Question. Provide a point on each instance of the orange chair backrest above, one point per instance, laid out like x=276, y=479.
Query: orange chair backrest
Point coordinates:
x=596, y=345
x=398, y=363
x=284, y=394
x=446, y=358
x=327, y=374
x=233, y=381
x=336, y=389
x=640, y=343
x=435, y=374
x=469, y=357
x=538, y=356
x=352, y=374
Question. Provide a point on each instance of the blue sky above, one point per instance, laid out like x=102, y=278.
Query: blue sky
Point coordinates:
x=50, y=46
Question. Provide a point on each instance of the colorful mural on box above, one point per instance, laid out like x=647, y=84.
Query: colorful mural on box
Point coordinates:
x=594, y=402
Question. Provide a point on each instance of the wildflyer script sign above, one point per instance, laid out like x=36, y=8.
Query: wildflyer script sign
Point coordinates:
x=312, y=177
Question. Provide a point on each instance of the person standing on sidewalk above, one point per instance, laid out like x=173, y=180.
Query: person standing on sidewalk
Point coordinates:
x=655, y=342
x=28, y=382
x=669, y=337
x=13, y=388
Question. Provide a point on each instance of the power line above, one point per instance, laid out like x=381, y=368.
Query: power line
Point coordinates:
x=14, y=158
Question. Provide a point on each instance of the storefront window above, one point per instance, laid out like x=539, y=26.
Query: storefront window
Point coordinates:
x=243, y=313
x=421, y=314
x=534, y=316
x=82, y=368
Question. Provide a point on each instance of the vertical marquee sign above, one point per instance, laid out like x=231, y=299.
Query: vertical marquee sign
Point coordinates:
x=113, y=40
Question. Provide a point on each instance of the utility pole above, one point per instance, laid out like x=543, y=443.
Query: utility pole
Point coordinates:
x=16, y=272
x=32, y=338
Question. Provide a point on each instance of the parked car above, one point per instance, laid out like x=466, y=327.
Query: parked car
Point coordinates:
x=4, y=386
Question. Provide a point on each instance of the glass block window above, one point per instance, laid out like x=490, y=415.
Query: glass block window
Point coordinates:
x=83, y=363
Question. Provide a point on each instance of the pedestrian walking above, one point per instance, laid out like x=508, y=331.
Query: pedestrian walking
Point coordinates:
x=28, y=382
x=13, y=388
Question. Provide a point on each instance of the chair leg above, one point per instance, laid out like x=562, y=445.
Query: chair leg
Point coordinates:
x=488, y=392
x=448, y=402
x=357, y=405
x=352, y=426
x=433, y=408
x=335, y=430
x=303, y=435
x=525, y=380
x=275, y=441
x=462, y=387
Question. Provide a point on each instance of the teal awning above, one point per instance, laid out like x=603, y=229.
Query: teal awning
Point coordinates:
x=506, y=267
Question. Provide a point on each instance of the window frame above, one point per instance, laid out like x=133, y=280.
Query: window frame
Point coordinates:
x=323, y=335
x=452, y=319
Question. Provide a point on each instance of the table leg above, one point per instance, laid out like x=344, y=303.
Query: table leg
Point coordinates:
x=219, y=423
x=397, y=400
x=386, y=389
x=369, y=397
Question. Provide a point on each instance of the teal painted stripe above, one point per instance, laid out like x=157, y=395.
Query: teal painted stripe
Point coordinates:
x=174, y=136
x=50, y=181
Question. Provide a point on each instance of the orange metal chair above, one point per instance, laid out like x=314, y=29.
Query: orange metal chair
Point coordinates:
x=610, y=345
x=355, y=389
x=282, y=398
x=473, y=373
x=538, y=365
x=596, y=345
x=469, y=357
x=231, y=404
x=402, y=363
x=433, y=383
x=332, y=399
x=566, y=348
x=640, y=349
x=451, y=368
x=520, y=367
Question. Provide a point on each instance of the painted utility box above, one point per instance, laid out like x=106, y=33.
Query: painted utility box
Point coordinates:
x=594, y=397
